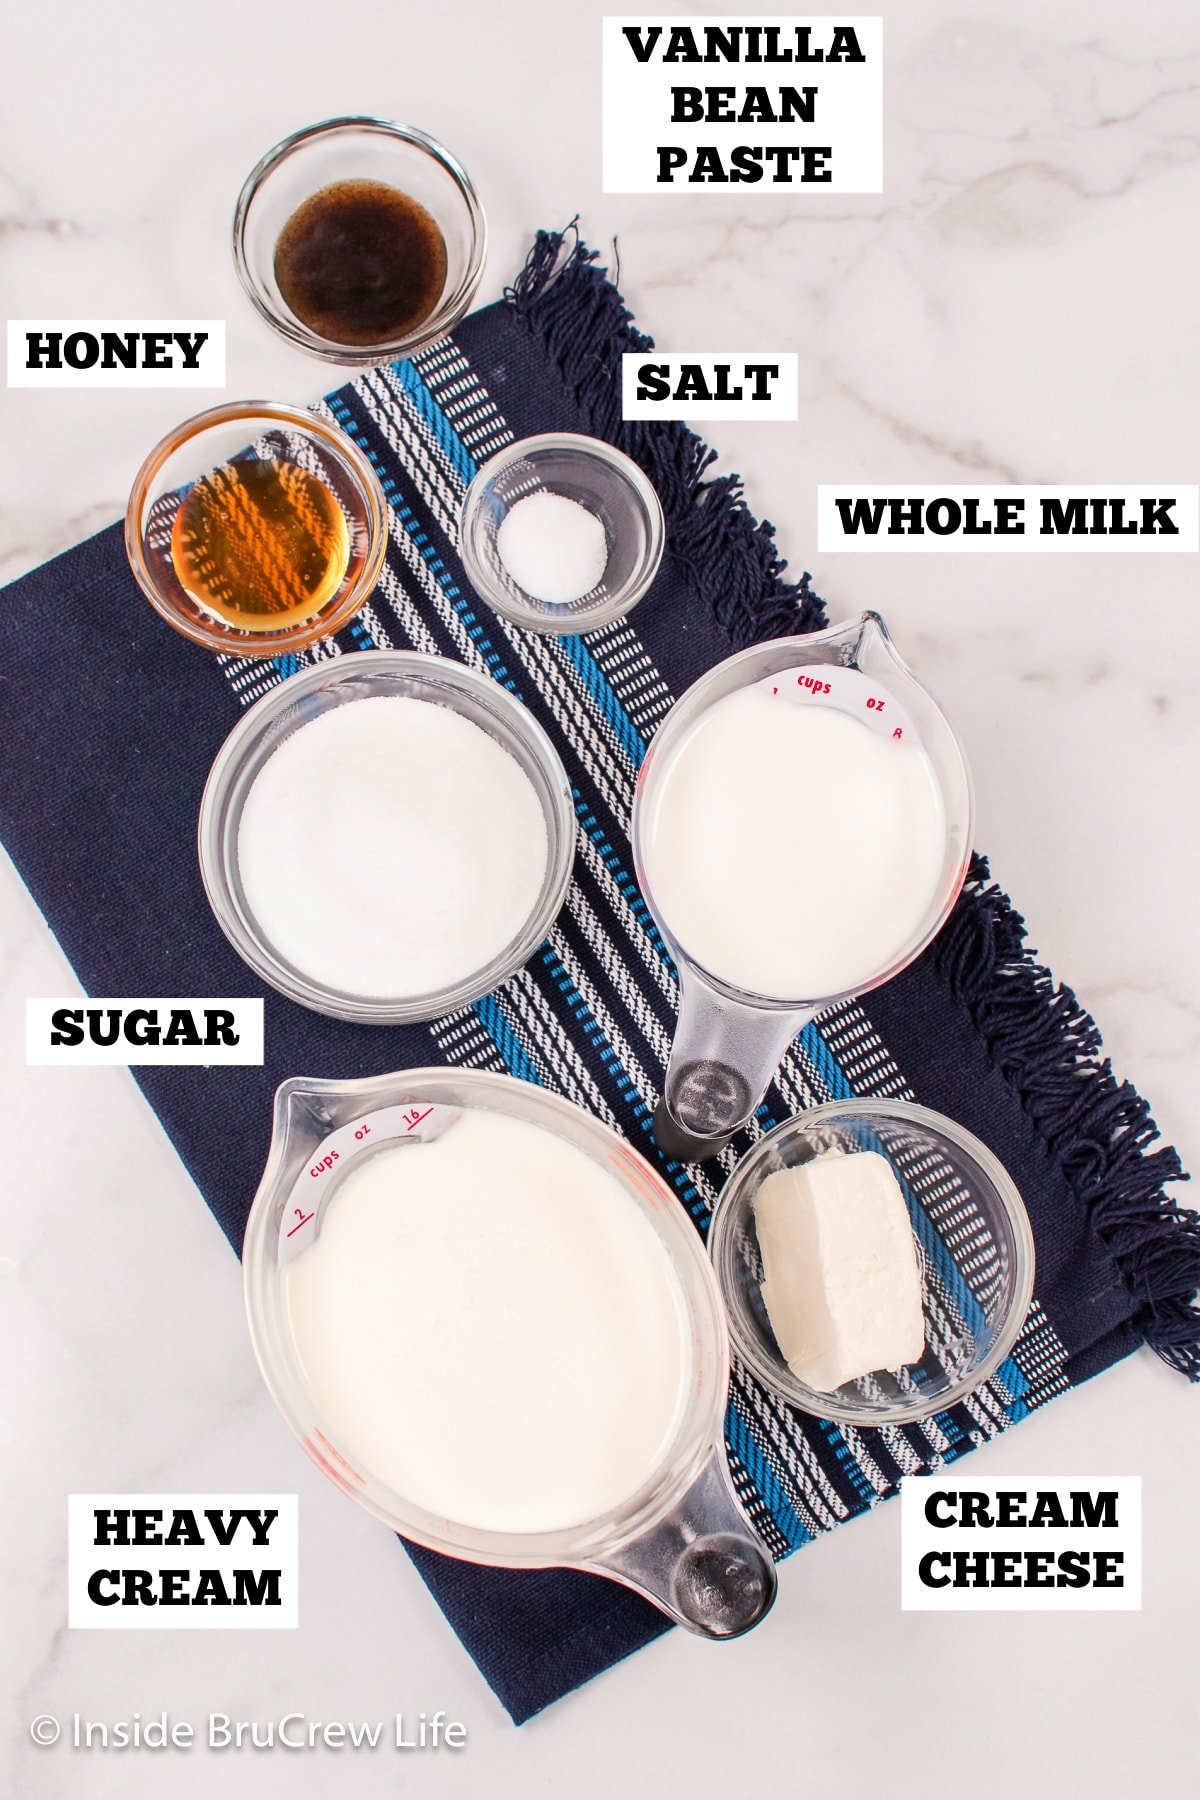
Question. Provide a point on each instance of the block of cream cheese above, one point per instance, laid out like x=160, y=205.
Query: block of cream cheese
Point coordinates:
x=840, y=1279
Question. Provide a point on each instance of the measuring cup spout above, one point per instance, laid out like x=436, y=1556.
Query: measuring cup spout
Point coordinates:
x=868, y=640
x=702, y=1564
x=304, y=1113
x=723, y=1056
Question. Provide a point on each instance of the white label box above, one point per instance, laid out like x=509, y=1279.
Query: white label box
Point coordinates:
x=193, y=1562
x=116, y=353
x=743, y=105
x=896, y=518
x=1025, y=1544
x=89, y=1033
x=709, y=384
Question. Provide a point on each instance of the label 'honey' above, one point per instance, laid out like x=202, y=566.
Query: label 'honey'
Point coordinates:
x=264, y=545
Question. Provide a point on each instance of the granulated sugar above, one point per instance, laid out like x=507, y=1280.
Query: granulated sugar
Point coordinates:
x=391, y=848
x=552, y=547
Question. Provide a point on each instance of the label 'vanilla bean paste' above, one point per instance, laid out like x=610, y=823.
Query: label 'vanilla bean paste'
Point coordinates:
x=360, y=262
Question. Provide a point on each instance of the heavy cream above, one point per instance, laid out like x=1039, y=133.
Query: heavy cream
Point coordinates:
x=490, y=1325
x=792, y=849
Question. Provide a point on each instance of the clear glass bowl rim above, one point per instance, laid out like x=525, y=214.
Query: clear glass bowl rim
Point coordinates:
x=776, y=1375
x=267, y=413
x=451, y=309
x=239, y=745
x=580, y=618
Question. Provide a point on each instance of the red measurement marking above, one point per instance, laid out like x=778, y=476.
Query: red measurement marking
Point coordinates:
x=413, y=1119
x=324, y=1463
x=774, y=690
x=302, y=1218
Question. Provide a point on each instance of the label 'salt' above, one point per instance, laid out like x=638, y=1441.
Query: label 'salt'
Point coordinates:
x=708, y=384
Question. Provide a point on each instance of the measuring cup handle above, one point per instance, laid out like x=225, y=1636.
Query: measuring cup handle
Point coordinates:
x=723, y=1056
x=702, y=1564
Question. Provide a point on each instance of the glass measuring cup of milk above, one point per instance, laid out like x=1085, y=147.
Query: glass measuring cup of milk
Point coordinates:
x=801, y=830
x=672, y=1528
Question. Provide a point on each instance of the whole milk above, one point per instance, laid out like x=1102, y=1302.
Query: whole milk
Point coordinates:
x=791, y=849
x=489, y=1325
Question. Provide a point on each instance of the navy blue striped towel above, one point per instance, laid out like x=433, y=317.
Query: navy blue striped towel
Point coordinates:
x=105, y=840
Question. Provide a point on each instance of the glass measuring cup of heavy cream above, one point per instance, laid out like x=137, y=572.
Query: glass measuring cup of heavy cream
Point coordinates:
x=801, y=829
x=490, y=1323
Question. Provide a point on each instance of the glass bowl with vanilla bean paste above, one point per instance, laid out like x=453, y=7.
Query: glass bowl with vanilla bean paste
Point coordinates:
x=359, y=240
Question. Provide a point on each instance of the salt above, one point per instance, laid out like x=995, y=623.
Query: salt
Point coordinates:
x=391, y=848
x=554, y=548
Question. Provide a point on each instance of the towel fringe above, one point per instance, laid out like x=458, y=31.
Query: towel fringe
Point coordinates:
x=564, y=297
x=1098, y=1130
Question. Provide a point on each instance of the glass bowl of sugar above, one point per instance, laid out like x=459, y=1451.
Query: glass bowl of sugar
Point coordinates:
x=561, y=533
x=386, y=837
x=876, y=1263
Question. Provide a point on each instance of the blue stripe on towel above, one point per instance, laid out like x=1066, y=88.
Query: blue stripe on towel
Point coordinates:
x=598, y=685
x=767, y=1483
x=443, y=431
x=491, y=1016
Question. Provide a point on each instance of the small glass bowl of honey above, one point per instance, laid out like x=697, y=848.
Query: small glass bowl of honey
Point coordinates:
x=256, y=528
x=359, y=240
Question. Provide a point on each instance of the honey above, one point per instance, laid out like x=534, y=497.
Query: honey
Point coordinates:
x=360, y=263
x=263, y=545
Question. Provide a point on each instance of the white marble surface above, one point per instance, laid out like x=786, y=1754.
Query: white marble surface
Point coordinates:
x=1019, y=305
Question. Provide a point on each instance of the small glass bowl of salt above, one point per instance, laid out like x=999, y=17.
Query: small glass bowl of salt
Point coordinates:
x=561, y=533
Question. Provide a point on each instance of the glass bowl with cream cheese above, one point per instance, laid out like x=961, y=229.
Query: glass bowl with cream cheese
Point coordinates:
x=386, y=836
x=561, y=533
x=876, y=1262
